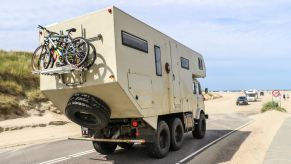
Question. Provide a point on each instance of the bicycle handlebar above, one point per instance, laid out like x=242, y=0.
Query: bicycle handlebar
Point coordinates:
x=48, y=31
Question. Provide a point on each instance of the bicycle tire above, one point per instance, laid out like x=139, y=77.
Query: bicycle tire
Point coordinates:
x=76, y=49
x=91, y=56
x=38, y=57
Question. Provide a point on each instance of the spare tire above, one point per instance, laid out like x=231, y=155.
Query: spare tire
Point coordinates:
x=88, y=111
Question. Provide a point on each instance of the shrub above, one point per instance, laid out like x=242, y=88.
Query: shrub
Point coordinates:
x=10, y=88
x=35, y=96
x=9, y=105
x=271, y=105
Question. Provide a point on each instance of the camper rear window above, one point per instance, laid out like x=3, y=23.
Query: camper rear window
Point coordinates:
x=184, y=63
x=134, y=42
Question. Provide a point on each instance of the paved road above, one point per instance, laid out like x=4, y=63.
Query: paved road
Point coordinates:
x=280, y=150
x=82, y=152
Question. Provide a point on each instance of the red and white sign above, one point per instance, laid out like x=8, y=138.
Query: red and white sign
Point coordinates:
x=276, y=93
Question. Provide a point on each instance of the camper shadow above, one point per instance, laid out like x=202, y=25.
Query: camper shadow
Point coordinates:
x=99, y=70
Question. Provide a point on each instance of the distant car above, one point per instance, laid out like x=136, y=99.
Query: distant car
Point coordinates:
x=242, y=100
x=261, y=93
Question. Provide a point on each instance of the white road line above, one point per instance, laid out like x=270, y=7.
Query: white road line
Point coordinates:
x=82, y=153
x=54, y=160
x=68, y=157
x=212, y=143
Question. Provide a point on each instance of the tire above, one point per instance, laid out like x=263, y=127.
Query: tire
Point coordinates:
x=88, y=111
x=41, y=58
x=161, y=145
x=177, y=134
x=104, y=147
x=125, y=145
x=77, y=52
x=200, y=127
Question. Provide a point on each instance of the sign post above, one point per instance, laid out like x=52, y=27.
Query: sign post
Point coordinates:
x=276, y=93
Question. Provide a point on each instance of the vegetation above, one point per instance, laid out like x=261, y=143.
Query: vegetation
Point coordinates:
x=17, y=83
x=9, y=106
x=16, y=68
x=35, y=96
x=271, y=105
x=10, y=88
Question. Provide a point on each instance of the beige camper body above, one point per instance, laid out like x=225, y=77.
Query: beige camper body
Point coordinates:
x=127, y=74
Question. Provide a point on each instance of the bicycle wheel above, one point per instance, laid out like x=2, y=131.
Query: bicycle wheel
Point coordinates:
x=77, y=52
x=91, y=57
x=41, y=58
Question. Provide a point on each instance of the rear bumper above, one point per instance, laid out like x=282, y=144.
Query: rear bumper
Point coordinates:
x=108, y=140
x=244, y=102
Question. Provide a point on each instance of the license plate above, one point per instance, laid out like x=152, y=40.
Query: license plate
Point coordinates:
x=84, y=131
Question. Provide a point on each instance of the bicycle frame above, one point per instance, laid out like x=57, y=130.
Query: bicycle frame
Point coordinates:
x=56, y=47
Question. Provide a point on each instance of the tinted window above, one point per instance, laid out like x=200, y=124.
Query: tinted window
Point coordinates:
x=199, y=89
x=200, y=64
x=242, y=98
x=158, y=61
x=184, y=63
x=134, y=42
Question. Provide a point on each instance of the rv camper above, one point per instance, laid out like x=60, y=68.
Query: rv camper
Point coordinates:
x=142, y=88
x=252, y=95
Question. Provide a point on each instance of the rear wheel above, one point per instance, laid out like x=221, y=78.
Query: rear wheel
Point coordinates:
x=177, y=134
x=159, y=148
x=200, y=127
x=77, y=52
x=125, y=145
x=104, y=147
x=41, y=58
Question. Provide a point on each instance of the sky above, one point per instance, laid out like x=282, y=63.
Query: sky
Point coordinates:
x=245, y=43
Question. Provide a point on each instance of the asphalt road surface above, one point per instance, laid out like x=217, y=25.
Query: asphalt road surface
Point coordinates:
x=82, y=152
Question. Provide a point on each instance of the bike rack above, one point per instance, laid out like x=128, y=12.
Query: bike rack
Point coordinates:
x=58, y=70
x=62, y=71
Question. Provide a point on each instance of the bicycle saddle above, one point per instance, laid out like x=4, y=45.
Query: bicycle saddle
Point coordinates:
x=71, y=30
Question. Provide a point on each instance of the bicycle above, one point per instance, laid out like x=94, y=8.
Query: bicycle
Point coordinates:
x=60, y=49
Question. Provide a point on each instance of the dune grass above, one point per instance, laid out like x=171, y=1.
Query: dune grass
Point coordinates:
x=271, y=105
x=8, y=105
x=15, y=68
x=10, y=88
x=17, y=82
x=35, y=96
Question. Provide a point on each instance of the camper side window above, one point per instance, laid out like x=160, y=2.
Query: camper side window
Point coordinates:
x=184, y=63
x=158, y=61
x=194, y=89
x=200, y=63
x=134, y=42
x=199, y=89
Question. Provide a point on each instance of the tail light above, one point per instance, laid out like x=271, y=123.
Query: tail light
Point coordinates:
x=110, y=11
x=134, y=123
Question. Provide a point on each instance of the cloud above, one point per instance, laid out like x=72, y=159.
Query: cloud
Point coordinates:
x=230, y=34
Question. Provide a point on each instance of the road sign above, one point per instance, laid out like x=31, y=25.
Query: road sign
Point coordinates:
x=276, y=93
